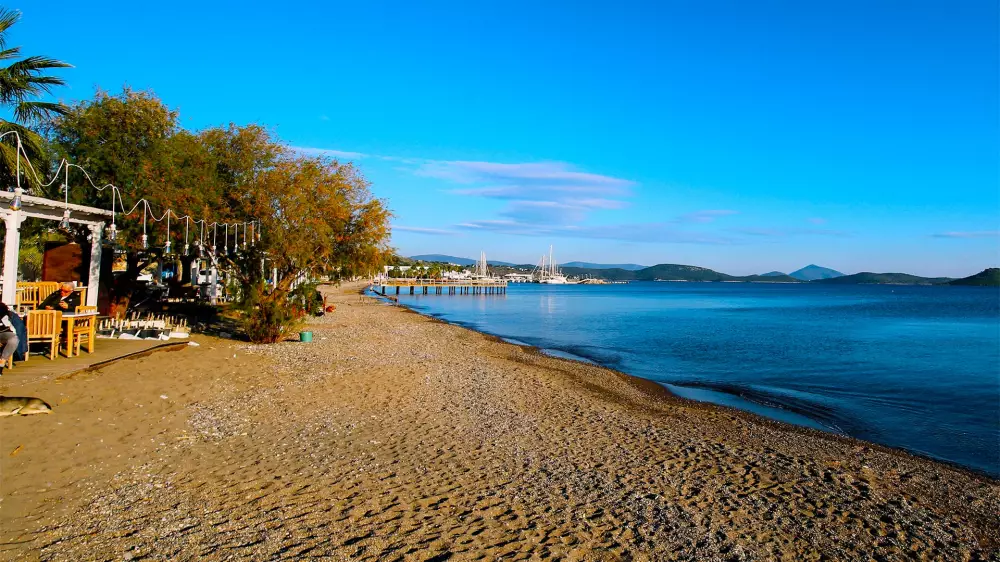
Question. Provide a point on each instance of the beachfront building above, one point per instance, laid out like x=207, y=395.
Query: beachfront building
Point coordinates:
x=518, y=277
x=456, y=275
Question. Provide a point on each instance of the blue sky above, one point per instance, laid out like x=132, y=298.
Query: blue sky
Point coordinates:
x=741, y=136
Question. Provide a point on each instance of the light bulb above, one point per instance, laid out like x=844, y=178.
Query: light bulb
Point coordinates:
x=145, y=242
x=187, y=250
x=64, y=223
x=112, y=232
x=15, y=205
x=166, y=247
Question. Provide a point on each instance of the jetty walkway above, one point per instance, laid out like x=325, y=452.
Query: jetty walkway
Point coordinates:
x=488, y=286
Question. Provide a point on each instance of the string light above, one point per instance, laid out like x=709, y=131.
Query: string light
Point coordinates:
x=187, y=247
x=15, y=205
x=145, y=239
x=166, y=247
x=111, y=231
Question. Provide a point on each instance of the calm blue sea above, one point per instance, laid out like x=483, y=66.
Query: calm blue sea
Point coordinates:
x=910, y=367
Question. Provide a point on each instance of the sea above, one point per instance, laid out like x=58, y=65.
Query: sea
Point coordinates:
x=912, y=367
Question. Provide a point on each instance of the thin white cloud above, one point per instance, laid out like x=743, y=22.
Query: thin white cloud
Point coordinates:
x=640, y=232
x=787, y=232
x=344, y=154
x=708, y=215
x=972, y=234
x=543, y=174
x=423, y=230
x=817, y=220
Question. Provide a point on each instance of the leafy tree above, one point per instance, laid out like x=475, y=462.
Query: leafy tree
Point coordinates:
x=21, y=83
x=132, y=140
x=317, y=217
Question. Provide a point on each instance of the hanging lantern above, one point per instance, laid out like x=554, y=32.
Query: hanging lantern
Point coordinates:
x=15, y=204
x=187, y=249
x=111, y=232
x=64, y=223
x=145, y=242
x=201, y=249
x=166, y=248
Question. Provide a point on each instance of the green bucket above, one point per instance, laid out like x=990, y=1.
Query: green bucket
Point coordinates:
x=306, y=336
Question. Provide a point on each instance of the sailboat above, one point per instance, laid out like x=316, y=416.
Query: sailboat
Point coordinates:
x=549, y=273
x=483, y=270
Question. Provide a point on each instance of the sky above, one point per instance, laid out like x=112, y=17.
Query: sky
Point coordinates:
x=741, y=136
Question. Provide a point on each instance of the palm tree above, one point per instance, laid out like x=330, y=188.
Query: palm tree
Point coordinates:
x=21, y=83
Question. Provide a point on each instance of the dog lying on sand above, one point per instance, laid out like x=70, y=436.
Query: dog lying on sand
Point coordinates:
x=23, y=405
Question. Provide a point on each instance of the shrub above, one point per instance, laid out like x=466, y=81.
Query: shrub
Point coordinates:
x=266, y=317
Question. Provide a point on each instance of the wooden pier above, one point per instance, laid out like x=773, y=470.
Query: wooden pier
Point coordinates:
x=442, y=287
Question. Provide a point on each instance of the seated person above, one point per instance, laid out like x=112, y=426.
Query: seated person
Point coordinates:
x=65, y=299
x=8, y=336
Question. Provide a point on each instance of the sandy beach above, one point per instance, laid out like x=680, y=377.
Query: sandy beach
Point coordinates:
x=393, y=436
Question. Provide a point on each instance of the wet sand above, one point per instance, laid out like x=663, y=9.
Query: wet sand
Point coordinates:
x=398, y=437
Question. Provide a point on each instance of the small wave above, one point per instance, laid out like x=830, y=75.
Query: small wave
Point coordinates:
x=824, y=416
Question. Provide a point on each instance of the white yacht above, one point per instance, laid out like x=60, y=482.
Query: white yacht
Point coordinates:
x=548, y=272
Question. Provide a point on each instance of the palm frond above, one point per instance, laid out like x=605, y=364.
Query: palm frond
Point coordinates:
x=10, y=53
x=35, y=64
x=30, y=111
x=33, y=146
x=7, y=19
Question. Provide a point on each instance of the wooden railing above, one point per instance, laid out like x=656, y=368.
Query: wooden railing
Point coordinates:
x=406, y=282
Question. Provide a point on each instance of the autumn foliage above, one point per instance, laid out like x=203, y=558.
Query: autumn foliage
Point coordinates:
x=317, y=217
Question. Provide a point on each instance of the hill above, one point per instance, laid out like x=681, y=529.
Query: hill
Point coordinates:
x=672, y=272
x=588, y=265
x=455, y=260
x=813, y=272
x=867, y=277
x=611, y=274
x=770, y=278
x=675, y=272
x=989, y=277
x=773, y=274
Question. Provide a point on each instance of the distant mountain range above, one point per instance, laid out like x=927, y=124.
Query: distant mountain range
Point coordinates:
x=677, y=272
x=455, y=260
x=883, y=279
x=588, y=265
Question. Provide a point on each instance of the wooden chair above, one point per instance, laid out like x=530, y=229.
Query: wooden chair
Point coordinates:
x=27, y=297
x=85, y=327
x=46, y=288
x=43, y=326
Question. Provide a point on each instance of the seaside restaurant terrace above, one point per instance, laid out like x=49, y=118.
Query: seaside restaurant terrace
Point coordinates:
x=15, y=209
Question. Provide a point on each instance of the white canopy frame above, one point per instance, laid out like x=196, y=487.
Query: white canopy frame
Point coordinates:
x=49, y=209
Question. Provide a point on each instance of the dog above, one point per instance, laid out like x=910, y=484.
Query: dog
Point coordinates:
x=23, y=405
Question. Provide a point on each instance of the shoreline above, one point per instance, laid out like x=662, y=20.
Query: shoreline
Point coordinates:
x=657, y=389
x=394, y=435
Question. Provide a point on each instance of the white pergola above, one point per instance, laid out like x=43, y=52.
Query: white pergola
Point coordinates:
x=49, y=209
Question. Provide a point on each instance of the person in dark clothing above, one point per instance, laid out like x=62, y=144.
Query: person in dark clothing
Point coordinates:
x=65, y=299
x=8, y=336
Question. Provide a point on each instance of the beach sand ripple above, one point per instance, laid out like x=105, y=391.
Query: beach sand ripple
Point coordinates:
x=397, y=437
